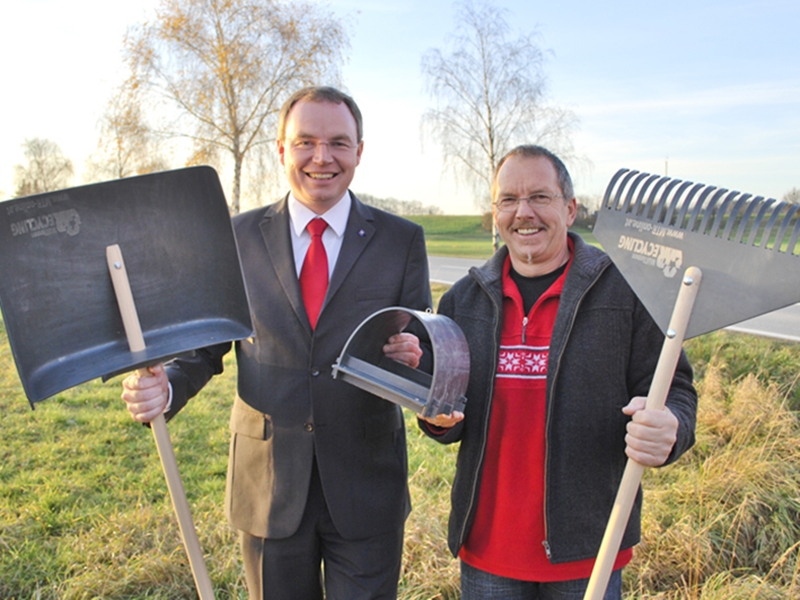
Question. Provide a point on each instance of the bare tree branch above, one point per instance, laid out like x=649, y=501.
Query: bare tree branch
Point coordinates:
x=489, y=93
x=47, y=170
x=126, y=146
x=793, y=196
x=222, y=68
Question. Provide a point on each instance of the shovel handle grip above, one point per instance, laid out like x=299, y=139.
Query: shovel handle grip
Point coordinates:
x=133, y=331
x=656, y=399
x=122, y=290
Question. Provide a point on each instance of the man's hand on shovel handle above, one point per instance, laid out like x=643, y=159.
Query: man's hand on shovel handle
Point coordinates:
x=651, y=433
x=146, y=392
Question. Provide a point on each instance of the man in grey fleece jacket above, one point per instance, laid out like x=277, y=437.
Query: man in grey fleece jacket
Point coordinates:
x=562, y=357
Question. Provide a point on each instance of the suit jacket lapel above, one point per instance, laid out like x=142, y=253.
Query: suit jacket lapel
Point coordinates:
x=277, y=239
x=357, y=236
x=275, y=231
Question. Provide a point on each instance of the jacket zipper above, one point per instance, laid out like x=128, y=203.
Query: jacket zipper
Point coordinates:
x=484, y=437
x=524, y=327
x=546, y=540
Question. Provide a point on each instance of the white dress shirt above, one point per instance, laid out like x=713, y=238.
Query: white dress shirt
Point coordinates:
x=336, y=218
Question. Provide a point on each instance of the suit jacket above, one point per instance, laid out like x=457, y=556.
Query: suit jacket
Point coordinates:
x=288, y=408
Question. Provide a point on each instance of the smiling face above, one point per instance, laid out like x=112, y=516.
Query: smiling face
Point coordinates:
x=536, y=237
x=320, y=152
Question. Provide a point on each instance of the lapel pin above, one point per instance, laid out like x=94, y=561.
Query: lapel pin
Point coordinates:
x=362, y=233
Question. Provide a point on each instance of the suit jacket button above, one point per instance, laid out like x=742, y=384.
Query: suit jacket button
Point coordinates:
x=309, y=427
x=314, y=372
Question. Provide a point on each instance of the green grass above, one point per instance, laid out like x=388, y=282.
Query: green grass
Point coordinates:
x=460, y=236
x=464, y=236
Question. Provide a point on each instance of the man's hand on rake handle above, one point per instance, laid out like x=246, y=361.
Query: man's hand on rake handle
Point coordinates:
x=651, y=433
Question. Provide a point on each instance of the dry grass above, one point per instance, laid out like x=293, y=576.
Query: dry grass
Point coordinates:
x=725, y=521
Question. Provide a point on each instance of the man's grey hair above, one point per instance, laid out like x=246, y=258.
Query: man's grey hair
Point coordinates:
x=533, y=151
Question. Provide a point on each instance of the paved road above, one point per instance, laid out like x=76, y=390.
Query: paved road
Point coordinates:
x=444, y=269
x=781, y=324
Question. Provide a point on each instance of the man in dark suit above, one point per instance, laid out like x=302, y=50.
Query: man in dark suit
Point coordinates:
x=318, y=468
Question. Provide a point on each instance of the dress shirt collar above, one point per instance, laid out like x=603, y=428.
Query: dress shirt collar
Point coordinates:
x=336, y=216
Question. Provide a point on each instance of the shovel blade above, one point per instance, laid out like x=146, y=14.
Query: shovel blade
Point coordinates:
x=57, y=299
x=653, y=228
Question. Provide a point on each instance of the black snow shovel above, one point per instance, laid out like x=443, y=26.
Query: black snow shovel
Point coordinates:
x=75, y=310
x=664, y=235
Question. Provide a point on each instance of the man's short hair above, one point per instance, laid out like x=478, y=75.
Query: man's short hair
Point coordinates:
x=533, y=151
x=319, y=94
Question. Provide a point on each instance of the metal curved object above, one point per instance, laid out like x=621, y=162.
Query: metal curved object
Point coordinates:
x=363, y=364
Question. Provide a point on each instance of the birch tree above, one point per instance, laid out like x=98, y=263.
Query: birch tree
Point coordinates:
x=127, y=145
x=47, y=169
x=488, y=90
x=222, y=69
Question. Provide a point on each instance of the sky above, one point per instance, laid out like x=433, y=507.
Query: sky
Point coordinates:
x=702, y=90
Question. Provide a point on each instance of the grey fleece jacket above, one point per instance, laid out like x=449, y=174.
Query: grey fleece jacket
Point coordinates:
x=603, y=352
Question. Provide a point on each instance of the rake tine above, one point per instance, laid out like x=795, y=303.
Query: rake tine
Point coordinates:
x=732, y=217
x=631, y=187
x=626, y=205
x=721, y=214
x=717, y=213
x=757, y=224
x=607, y=201
x=675, y=199
x=649, y=208
x=782, y=231
x=776, y=213
x=642, y=191
x=685, y=208
x=660, y=207
x=793, y=241
x=607, y=198
x=726, y=214
x=747, y=218
x=699, y=206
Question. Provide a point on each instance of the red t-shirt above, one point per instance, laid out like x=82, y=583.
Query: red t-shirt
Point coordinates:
x=508, y=533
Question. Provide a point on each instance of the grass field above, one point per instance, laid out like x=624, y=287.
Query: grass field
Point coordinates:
x=464, y=236
x=84, y=511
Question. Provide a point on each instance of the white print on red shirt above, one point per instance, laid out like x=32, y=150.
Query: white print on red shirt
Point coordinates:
x=523, y=362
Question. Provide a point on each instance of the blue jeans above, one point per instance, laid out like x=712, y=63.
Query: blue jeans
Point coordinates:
x=480, y=585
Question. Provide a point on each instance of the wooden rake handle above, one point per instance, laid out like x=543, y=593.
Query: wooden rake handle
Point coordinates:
x=656, y=399
x=133, y=331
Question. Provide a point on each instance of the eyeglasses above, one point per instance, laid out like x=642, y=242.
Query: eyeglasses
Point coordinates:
x=537, y=200
x=306, y=145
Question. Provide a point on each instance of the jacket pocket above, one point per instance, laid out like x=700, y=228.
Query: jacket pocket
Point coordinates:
x=250, y=422
x=250, y=481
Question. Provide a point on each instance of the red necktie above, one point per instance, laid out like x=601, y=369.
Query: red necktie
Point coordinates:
x=314, y=274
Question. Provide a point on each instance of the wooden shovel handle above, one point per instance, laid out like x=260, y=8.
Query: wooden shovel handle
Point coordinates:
x=122, y=290
x=181, y=506
x=656, y=399
x=133, y=331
